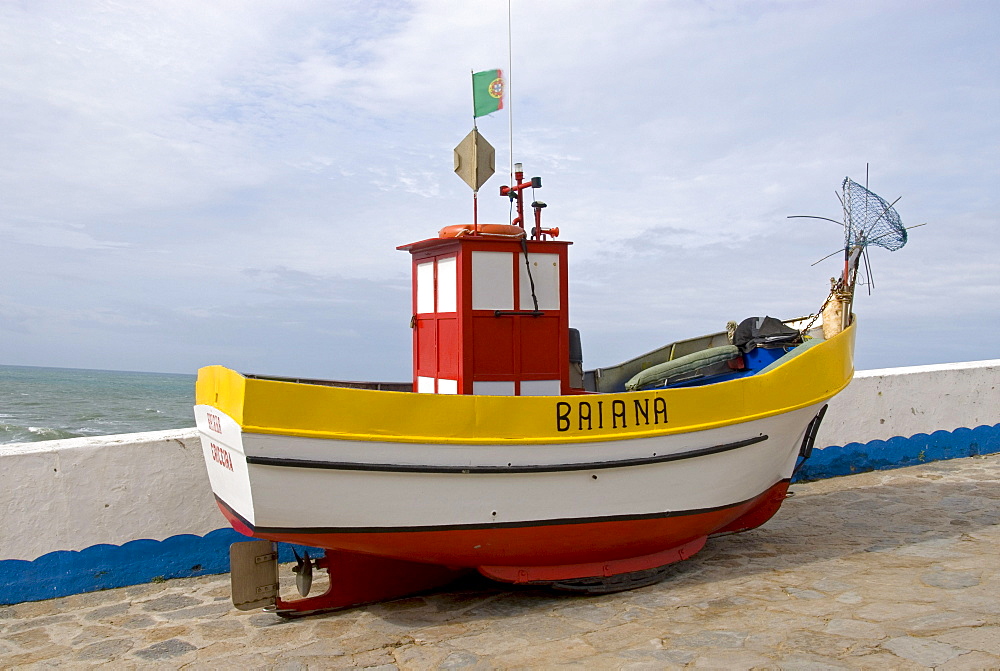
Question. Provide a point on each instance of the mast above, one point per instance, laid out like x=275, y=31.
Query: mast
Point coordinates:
x=510, y=100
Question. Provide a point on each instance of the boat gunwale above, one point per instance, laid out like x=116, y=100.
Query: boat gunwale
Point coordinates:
x=814, y=397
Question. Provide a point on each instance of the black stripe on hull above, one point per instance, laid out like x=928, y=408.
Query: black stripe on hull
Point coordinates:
x=489, y=525
x=493, y=470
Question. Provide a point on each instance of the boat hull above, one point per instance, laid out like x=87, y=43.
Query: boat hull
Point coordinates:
x=455, y=505
x=524, y=489
x=541, y=545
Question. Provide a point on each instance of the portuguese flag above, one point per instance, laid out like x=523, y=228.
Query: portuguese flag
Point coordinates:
x=487, y=92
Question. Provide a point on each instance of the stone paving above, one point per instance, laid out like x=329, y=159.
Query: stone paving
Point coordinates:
x=896, y=569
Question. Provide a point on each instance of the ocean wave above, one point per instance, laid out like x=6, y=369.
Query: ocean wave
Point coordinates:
x=48, y=433
x=12, y=433
x=53, y=403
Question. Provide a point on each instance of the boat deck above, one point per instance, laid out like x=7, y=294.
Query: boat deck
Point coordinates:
x=892, y=569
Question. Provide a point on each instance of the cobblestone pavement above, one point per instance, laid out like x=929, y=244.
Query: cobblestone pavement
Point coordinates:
x=896, y=569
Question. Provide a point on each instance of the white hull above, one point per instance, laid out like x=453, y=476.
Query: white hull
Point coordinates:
x=310, y=483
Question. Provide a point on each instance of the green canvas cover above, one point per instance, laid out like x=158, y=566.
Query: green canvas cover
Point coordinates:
x=656, y=375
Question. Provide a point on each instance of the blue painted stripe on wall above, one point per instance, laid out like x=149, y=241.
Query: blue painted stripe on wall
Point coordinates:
x=98, y=567
x=898, y=452
x=63, y=573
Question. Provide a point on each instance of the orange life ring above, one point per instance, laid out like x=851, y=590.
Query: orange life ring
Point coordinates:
x=489, y=230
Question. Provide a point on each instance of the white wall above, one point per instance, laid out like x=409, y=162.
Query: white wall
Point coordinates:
x=75, y=493
x=888, y=402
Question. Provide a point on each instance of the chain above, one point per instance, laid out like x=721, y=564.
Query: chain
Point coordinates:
x=816, y=316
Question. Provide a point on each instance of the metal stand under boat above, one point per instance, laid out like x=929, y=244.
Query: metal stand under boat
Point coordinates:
x=605, y=577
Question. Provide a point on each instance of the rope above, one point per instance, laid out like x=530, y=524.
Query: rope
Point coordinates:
x=515, y=236
x=531, y=280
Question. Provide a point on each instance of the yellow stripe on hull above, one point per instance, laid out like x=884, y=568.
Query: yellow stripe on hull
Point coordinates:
x=811, y=376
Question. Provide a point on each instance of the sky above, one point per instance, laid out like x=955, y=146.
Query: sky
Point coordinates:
x=188, y=183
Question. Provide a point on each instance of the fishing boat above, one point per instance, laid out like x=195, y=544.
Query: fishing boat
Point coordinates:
x=503, y=455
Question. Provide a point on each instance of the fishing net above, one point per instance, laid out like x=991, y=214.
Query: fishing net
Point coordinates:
x=870, y=220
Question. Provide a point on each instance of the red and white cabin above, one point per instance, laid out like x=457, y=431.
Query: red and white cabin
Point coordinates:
x=477, y=328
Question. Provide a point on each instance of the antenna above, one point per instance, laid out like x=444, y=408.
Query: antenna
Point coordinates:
x=868, y=220
x=510, y=98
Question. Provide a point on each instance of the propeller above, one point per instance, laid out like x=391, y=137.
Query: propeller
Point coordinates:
x=303, y=571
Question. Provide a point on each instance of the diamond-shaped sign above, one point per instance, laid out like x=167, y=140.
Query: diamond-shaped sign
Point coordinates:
x=475, y=160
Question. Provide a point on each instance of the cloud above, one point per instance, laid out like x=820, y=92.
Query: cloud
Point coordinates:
x=182, y=182
x=54, y=234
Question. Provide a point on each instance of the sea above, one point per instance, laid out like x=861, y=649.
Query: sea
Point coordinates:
x=51, y=403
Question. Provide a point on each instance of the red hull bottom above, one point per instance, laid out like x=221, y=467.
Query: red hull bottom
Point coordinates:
x=359, y=579
x=378, y=566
